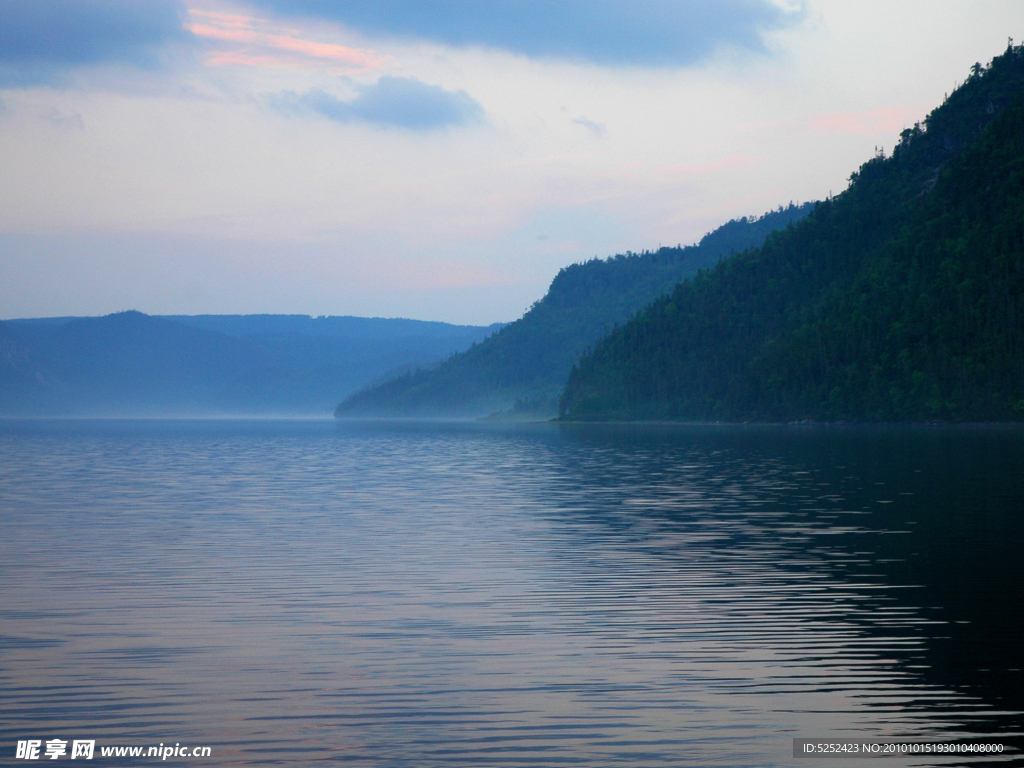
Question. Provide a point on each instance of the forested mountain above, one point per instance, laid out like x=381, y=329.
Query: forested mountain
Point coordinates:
x=524, y=366
x=901, y=299
x=134, y=364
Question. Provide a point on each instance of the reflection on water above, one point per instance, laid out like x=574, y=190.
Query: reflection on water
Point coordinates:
x=429, y=594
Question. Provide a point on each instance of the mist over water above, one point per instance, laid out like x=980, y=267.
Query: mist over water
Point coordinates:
x=391, y=594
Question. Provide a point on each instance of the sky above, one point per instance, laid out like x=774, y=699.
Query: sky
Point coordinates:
x=431, y=159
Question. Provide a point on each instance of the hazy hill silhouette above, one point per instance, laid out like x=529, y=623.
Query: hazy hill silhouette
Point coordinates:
x=134, y=364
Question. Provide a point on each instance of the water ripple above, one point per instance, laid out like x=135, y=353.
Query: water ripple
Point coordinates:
x=428, y=594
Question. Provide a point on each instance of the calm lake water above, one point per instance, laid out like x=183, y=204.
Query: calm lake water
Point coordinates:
x=416, y=594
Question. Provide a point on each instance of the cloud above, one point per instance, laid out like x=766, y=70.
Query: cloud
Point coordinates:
x=615, y=32
x=58, y=119
x=40, y=40
x=595, y=128
x=403, y=102
x=248, y=41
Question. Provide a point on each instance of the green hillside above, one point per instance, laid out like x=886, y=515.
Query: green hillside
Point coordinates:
x=524, y=366
x=902, y=299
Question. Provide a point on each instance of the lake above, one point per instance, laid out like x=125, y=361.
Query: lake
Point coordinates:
x=449, y=594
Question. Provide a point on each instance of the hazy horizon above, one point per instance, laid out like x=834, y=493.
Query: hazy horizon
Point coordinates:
x=236, y=314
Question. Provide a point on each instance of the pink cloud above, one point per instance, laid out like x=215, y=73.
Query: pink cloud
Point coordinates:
x=270, y=48
x=238, y=35
x=226, y=19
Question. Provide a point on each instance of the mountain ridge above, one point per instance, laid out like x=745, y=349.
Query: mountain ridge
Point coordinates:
x=523, y=367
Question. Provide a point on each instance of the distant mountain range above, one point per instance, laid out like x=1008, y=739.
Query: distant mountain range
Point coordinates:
x=522, y=369
x=901, y=299
x=134, y=364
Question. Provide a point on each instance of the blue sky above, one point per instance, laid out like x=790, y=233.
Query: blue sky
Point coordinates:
x=437, y=160
x=607, y=32
x=41, y=40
